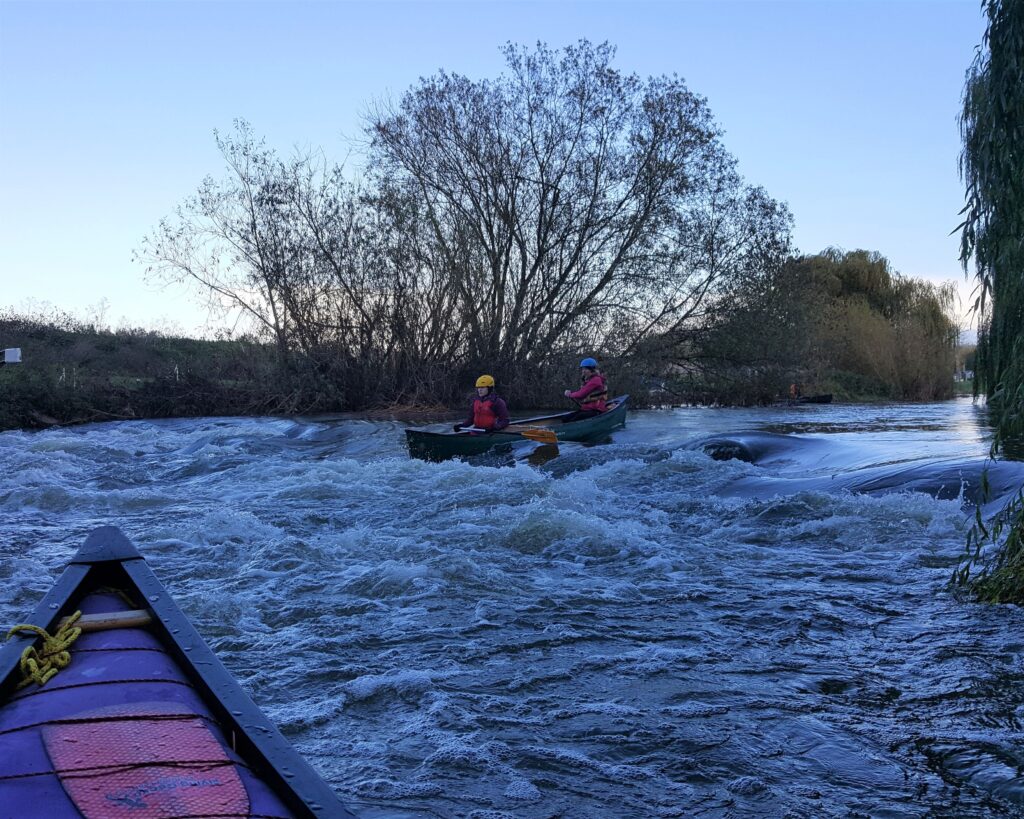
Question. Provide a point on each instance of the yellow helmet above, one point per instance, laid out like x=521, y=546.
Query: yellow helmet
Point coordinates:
x=485, y=381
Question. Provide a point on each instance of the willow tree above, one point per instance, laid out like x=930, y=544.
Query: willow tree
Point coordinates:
x=992, y=166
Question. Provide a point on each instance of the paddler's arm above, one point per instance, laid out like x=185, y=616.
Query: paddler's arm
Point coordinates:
x=593, y=383
x=500, y=413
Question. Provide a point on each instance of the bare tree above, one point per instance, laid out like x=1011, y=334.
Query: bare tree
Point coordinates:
x=235, y=239
x=509, y=223
x=563, y=196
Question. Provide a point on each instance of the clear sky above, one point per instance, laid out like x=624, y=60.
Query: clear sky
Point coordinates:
x=845, y=109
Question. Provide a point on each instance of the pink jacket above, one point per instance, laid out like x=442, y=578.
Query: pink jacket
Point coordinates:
x=597, y=388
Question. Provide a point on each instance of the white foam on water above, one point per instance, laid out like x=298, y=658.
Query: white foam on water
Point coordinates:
x=633, y=629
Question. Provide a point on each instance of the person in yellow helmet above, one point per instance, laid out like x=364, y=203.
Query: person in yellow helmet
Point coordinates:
x=488, y=410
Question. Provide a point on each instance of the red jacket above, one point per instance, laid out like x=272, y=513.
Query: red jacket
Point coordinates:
x=593, y=395
x=489, y=412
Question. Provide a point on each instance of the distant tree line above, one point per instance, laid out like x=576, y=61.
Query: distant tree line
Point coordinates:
x=513, y=225
x=74, y=371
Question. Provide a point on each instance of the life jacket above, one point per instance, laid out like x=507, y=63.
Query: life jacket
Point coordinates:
x=484, y=416
x=597, y=400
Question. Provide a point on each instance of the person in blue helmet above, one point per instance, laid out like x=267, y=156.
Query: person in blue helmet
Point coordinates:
x=592, y=396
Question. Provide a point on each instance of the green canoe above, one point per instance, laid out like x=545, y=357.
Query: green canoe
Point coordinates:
x=439, y=446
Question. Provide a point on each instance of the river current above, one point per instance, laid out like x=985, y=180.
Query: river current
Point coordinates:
x=718, y=613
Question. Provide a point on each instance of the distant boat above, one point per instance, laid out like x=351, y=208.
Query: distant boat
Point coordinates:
x=144, y=720
x=439, y=446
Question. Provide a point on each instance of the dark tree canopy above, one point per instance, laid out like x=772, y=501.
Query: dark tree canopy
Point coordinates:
x=842, y=320
x=510, y=224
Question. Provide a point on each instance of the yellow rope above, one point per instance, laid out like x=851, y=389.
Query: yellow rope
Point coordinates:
x=39, y=666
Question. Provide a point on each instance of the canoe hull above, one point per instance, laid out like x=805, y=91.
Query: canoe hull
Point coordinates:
x=441, y=446
x=156, y=691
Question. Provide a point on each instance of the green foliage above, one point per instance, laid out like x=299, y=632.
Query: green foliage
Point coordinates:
x=846, y=385
x=993, y=565
x=992, y=165
x=966, y=355
x=838, y=322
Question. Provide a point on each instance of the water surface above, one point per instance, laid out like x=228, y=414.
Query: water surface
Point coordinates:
x=719, y=613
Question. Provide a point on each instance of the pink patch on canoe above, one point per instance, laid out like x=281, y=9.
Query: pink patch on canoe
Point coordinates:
x=145, y=761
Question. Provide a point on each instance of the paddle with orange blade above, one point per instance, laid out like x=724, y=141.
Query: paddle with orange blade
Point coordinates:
x=542, y=436
x=538, y=434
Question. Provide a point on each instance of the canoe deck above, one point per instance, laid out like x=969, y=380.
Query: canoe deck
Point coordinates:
x=122, y=732
x=144, y=721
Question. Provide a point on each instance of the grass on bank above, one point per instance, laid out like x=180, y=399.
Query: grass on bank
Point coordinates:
x=77, y=373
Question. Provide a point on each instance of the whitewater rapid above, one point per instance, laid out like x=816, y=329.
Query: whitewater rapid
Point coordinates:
x=718, y=613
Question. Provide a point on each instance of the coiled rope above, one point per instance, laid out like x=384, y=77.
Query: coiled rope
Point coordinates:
x=39, y=665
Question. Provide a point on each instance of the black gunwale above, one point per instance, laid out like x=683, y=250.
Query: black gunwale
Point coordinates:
x=109, y=558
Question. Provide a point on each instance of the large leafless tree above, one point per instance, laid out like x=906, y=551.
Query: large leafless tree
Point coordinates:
x=508, y=223
x=565, y=195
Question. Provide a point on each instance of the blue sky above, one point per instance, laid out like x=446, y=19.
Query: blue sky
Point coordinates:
x=845, y=109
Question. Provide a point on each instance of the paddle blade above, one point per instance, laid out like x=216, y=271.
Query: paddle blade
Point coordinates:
x=542, y=436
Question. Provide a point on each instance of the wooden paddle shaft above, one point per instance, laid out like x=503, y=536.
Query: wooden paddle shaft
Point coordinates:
x=113, y=619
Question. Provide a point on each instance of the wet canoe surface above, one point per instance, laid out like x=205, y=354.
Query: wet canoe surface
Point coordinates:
x=125, y=730
x=439, y=446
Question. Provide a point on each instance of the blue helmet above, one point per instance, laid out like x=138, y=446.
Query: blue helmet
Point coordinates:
x=589, y=362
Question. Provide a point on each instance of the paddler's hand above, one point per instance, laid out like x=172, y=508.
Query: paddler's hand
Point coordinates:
x=457, y=427
x=567, y=393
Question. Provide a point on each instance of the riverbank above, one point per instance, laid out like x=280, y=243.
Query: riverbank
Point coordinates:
x=73, y=373
x=80, y=374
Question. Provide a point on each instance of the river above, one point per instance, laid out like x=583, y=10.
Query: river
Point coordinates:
x=634, y=629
